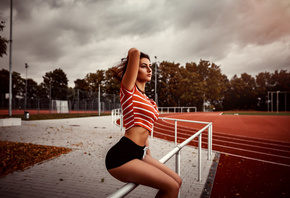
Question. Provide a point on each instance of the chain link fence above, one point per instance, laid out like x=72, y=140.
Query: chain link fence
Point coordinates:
x=63, y=101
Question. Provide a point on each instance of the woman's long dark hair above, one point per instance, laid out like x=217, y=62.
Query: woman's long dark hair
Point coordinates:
x=120, y=69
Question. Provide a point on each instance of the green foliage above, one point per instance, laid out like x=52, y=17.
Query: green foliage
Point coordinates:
x=18, y=88
x=55, y=84
x=111, y=84
x=189, y=85
x=247, y=92
x=3, y=41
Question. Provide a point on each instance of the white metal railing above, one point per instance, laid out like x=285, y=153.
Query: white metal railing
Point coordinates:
x=176, y=109
x=116, y=114
x=127, y=188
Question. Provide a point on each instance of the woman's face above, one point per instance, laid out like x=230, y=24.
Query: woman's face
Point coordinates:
x=145, y=71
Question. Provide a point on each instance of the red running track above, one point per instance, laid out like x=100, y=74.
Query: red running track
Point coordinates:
x=255, y=151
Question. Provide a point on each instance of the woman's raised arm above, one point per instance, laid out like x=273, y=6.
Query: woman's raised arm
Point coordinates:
x=131, y=73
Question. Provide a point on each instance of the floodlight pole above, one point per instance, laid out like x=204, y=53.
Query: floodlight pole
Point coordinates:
x=10, y=60
x=271, y=101
x=268, y=101
x=155, y=89
x=99, y=100
x=278, y=101
x=50, y=96
x=26, y=67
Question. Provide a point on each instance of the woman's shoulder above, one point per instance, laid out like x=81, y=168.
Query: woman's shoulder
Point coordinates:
x=126, y=89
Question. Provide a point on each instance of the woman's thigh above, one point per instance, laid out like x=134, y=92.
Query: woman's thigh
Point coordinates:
x=138, y=171
x=154, y=162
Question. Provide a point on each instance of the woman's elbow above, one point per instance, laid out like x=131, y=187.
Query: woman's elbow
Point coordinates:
x=134, y=51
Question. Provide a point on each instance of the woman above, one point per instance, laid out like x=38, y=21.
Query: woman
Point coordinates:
x=130, y=160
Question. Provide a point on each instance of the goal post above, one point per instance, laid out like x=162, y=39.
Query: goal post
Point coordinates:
x=274, y=98
x=59, y=106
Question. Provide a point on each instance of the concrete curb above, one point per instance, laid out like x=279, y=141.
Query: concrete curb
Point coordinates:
x=10, y=122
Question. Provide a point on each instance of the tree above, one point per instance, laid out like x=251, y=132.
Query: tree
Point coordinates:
x=32, y=89
x=203, y=82
x=191, y=87
x=263, y=84
x=18, y=83
x=112, y=84
x=55, y=84
x=91, y=82
x=281, y=80
x=169, y=77
x=81, y=84
x=277, y=81
x=214, y=82
x=4, y=81
x=241, y=93
x=3, y=41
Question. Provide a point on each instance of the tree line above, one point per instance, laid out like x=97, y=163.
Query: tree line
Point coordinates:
x=194, y=84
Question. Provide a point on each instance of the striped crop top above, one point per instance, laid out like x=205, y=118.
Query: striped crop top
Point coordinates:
x=138, y=109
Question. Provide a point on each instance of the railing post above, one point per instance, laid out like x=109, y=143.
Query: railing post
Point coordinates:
x=177, y=166
x=121, y=122
x=112, y=115
x=177, y=163
x=211, y=139
x=209, y=143
x=115, y=113
x=199, y=157
x=175, y=132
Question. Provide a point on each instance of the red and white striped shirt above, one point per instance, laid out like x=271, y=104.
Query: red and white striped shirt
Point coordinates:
x=137, y=109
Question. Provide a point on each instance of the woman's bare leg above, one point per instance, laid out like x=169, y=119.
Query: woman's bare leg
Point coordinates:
x=154, y=162
x=140, y=172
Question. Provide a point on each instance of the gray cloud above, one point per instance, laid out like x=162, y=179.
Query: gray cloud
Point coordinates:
x=84, y=36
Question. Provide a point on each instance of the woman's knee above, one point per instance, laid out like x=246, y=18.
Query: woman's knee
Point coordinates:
x=173, y=189
x=179, y=181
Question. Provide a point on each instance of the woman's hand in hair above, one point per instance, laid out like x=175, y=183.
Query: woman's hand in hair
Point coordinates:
x=133, y=51
x=131, y=73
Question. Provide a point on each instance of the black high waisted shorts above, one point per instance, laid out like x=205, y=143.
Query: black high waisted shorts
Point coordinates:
x=122, y=152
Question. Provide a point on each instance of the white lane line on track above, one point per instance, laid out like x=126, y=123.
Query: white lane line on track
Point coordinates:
x=273, y=142
x=244, y=144
x=222, y=133
x=242, y=136
x=234, y=148
x=251, y=145
x=255, y=159
x=251, y=141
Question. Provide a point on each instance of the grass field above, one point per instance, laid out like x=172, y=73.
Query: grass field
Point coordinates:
x=54, y=116
x=258, y=113
x=75, y=115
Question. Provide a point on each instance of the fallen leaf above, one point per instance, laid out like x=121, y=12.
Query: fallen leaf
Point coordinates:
x=19, y=156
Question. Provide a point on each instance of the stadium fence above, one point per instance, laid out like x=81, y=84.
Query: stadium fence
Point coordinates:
x=64, y=101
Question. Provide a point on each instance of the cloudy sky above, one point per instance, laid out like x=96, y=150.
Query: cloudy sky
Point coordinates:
x=82, y=36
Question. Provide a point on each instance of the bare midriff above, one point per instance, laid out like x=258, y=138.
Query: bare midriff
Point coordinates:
x=138, y=135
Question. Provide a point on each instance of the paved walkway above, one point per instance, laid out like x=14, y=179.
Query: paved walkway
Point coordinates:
x=82, y=173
